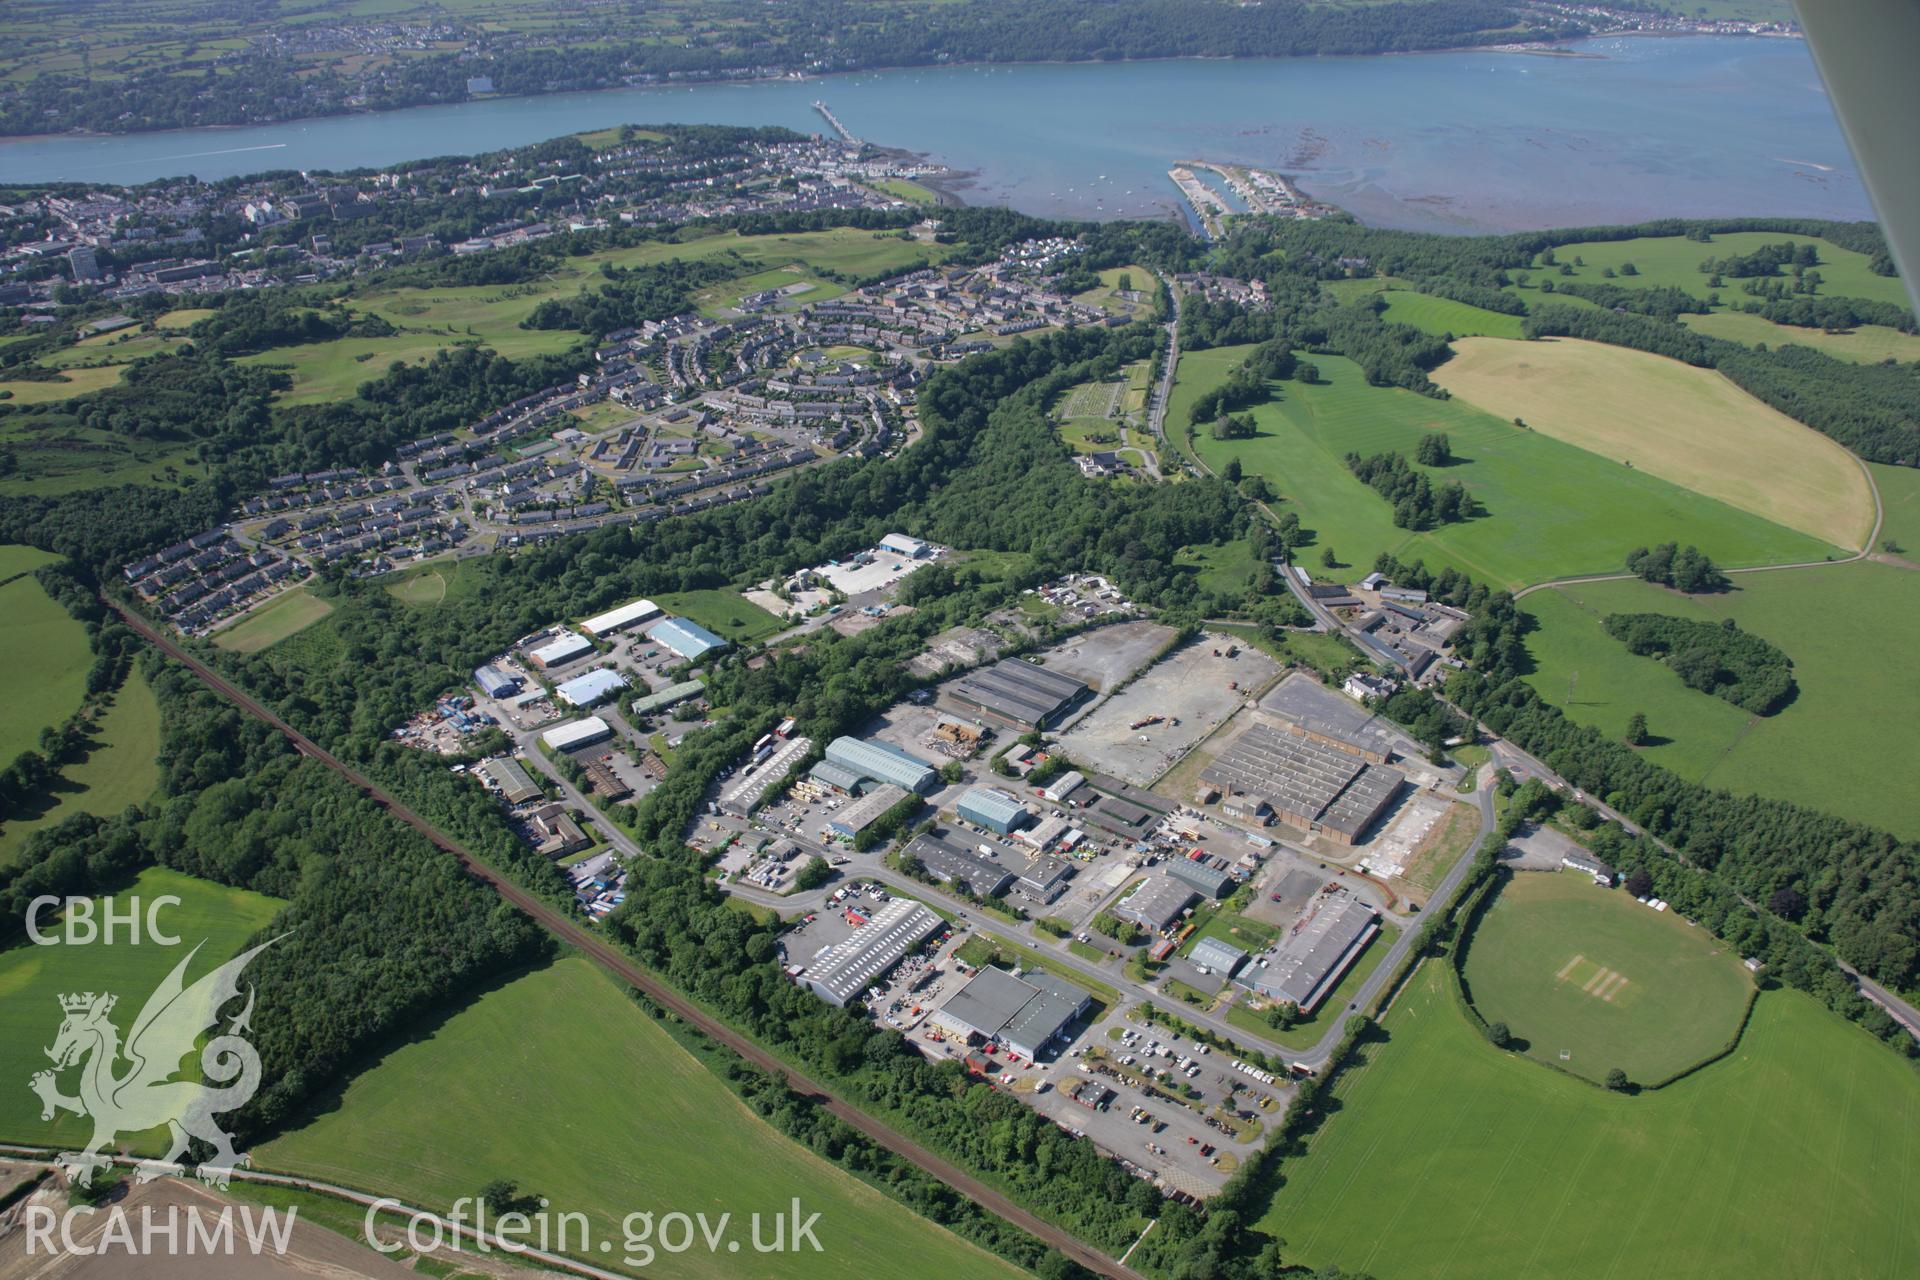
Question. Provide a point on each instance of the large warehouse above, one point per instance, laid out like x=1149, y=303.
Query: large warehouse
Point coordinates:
x=496, y=683
x=1028, y=1014
x=743, y=794
x=1209, y=881
x=881, y=762
x=509, y=778
x=577, y=733
x=1156, y=902
x=685, y=637
x=629, y=614
x=1302, y=781
x=1309, y=962
x=561, y=650
x=850, y=819
x=592, y=688
x=845, y=969
x=1015, y=692
x=993, y=809
x=952, y=863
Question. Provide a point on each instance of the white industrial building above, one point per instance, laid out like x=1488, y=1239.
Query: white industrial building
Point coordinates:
x=561, y=650
x=592, y=688
x=627, y=615
x=845, y=969
x=577, y=733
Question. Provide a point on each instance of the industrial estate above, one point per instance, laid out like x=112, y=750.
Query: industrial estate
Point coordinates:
x=700, y=672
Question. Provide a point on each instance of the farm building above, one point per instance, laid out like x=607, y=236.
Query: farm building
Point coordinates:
x=577, y=733
x=1578, y=859
x=560, y=651
x=1209, y=881
x=496, y=683
x=1217, y=957
x=661, y=699
x=851, y=819
x=953, y=863
x=881, y=762
x=1309, y=962
x=1017, y=693
x=590, y=689
x=627, y=615
x=509, y=778
x=1028, y=1014
x=842, y=971
x=1156, y=902
x=685, y=637
x=993, y=809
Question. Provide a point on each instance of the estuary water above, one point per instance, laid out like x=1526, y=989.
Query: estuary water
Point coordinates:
x=1611, y=130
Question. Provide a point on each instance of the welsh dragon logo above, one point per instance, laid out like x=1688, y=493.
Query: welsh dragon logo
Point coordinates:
x=145, y=1095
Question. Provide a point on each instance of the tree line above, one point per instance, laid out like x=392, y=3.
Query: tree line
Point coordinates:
x=1716, y=658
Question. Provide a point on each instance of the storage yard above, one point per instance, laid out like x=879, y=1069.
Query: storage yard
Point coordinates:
x=1191, y=691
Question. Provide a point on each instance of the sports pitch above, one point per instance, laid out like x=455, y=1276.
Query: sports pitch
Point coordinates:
x=559, y=1082
x=1448, y=1159
x=1592, y=980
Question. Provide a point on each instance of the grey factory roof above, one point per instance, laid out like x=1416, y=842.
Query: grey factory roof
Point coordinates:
x=946, y=860
x=839, y=777
x=1208, y=880
x=1157, y=902
x=1016, y=690
x=1304, y=779
x=1221, y=957
x=843, y=970
x=1307, y=964
x=1025, y=1012
x=1301, y=701
x=856, y=816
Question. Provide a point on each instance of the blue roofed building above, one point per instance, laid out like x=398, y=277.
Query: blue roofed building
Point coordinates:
x=882, y=763
x=993, y=809
x=685, y=637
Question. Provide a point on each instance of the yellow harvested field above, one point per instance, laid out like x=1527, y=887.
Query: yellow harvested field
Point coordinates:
x=1690, y=426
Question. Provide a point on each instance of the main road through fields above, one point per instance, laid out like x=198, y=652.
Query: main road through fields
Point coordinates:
x=570, y=931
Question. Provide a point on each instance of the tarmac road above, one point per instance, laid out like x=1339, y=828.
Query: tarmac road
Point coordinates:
x=576, y=935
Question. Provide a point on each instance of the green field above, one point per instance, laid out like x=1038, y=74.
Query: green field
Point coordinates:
x=1675, y=260
x=45, y=655
x=32, y=978
x=1553, y=509
x=274, y=621
x=16, y=560
x=122, y=770
x=1829, y=748
x=724, y=299
x=725, y=613
x=1900, y=505
x=1690, y=426
x=1447, y=1159
x=1577, y=970
x=70, y=383
x=1867, y=344
x=559, y=1082
x=904, y=189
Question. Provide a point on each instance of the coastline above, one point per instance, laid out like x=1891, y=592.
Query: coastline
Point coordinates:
x=1542, y=49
